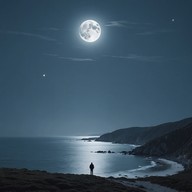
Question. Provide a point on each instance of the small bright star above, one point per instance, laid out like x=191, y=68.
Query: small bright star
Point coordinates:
x=172, y=20
x=44, y=75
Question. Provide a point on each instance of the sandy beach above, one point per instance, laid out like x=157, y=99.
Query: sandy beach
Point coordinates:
x=158, y=167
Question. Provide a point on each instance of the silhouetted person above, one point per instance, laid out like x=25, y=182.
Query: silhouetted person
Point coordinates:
x=91, y=167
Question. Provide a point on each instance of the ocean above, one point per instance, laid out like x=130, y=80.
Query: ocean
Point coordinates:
x=68, y=155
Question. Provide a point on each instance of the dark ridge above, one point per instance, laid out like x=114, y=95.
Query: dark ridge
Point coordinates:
x=176, y=145
x=142, y=135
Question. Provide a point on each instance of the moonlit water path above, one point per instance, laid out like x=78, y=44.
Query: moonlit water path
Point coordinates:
x=66, y=155
x=72, y=155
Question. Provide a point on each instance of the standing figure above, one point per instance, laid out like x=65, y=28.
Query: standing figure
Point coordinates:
x=91, y=167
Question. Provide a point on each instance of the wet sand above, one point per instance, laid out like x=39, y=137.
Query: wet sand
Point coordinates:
x=158, y=167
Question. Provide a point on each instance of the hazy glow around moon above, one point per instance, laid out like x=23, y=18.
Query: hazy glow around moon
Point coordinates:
x=90, y=31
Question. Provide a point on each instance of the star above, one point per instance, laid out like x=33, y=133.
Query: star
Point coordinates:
x=44, y=75
x=172, y=20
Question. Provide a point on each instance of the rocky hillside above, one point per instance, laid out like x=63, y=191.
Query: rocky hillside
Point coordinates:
x=142, y=135
x=23, y=180
x=179, y=182
x=176, y=144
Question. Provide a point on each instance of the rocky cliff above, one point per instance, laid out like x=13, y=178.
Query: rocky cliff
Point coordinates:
x=142, y=135
x=176, y=145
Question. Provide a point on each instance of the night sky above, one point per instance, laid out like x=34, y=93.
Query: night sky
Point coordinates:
x=52, y=83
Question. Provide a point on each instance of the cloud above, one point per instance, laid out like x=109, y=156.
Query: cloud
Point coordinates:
x=116, y=24
x=29, y=35
x=138, y=28
x=125, y=24
x=75, y=59
x=137, y=57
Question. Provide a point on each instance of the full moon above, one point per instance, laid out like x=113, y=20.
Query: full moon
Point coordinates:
x=90, y=31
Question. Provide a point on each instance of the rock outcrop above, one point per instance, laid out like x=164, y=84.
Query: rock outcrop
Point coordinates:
x=176, y=145
x=25, y=180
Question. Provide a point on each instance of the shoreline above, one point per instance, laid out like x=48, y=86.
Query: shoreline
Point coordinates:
x=12, y=179
x=159, y=167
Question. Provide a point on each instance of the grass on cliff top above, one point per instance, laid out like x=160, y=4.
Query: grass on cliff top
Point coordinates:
x=24, y=180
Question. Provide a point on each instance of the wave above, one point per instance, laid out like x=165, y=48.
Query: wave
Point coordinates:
x=133, y=173
x=145, y=171
x=142, y=168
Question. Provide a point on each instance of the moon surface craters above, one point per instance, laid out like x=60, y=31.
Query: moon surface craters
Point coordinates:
x=90, y=31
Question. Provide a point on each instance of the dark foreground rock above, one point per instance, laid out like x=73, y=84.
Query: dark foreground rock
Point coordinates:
x=22, y=180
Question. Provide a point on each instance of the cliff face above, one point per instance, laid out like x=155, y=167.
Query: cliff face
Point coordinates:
x=176, y=144
x=140, y=136
x=132, y=135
